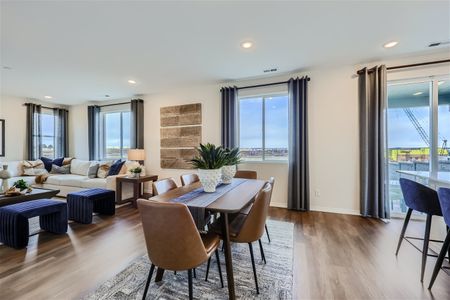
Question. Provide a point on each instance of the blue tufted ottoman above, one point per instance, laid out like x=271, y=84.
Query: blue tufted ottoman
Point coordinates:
x=83, y=204
x=14, y=230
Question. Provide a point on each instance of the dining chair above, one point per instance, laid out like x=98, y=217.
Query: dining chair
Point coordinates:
x=423, y=199
x=249, y=228
x=177, y=247
x=188, y=179
x=248, y=174
x=164, y=185
x=444, y=199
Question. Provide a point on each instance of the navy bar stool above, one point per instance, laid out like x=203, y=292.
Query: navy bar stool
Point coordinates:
x=422, y=199
x=444, y=198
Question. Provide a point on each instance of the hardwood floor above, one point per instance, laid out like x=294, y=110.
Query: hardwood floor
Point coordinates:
x=335, y=257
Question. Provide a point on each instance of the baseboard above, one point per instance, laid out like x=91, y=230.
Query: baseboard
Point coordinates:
x=278, y=204
x=335, y=210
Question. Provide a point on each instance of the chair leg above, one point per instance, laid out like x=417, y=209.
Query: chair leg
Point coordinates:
x=448, y=230
x=405, y=225
x=267, y=232
x=207, y=268
x=440, y=260
x=426, y=241
x=262, y=251
x=219, y=267
x=190, y=284
x=254, y=267
x=150, y=274
x=195, y=273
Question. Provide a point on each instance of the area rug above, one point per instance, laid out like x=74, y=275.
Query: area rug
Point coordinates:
x=274, y=278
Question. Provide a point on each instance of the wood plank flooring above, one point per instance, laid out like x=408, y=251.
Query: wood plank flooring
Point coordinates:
x=335, y=257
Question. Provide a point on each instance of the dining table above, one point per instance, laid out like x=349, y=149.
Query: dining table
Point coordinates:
x=228, y=200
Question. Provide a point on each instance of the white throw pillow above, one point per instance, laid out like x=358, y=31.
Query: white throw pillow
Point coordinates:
x=79, y=167
x=103, y=169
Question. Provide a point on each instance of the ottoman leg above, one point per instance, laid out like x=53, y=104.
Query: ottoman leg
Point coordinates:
x=54, y=222
x=80, y=209
x=14, y=230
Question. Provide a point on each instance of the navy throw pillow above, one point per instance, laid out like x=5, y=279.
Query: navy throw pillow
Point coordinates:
x=115, y=168
x=48, y=162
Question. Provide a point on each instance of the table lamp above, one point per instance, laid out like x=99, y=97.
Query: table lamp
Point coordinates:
x=136, y=155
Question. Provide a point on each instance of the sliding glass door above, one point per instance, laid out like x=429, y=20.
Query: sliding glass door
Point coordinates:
x=418, y=126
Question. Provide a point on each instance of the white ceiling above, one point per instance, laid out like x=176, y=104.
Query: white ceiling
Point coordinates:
x=79, y=51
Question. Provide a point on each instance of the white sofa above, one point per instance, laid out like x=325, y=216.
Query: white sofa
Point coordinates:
x=75, y=181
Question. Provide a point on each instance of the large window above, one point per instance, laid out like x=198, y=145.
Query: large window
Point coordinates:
x=115, y=134
x=418, y=130
x=48, y=133
x=263, y=127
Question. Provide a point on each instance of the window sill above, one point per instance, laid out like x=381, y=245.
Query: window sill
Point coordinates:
x=275, y=162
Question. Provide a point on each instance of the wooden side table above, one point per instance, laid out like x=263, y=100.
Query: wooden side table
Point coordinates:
x=137, y=187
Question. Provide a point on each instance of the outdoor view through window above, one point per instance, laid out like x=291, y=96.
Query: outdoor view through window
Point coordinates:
x=116, y=134
x=408, y=127
x=48, y=133
x=263, y=128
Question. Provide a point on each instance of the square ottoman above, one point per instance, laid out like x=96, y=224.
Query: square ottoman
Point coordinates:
x=81, y=205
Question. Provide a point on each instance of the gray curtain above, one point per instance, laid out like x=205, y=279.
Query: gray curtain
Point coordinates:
x=229, y=111
x=298, y=179
x=61, y=132
x=137, y=124
x=372, y=115
x=34, y=139
x=93, y=131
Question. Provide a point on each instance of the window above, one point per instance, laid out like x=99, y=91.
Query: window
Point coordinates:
x=115, y=133
x=418, y=129
x=47, y=133
x=263, y=127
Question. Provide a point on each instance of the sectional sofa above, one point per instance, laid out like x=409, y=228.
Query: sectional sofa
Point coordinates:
x=75, y=181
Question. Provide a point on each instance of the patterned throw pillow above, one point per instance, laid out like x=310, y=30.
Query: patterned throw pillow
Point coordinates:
x=103, y=169
x=33, y=168
x=60, y=170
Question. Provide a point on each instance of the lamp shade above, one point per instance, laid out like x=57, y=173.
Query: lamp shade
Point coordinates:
x=136, y=154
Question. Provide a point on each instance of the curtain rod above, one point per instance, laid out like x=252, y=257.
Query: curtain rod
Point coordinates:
x=413, y=65
x=46, y=107
x=266, y=84
x=113, y=104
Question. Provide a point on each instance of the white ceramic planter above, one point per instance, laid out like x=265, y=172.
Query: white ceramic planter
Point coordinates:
x=228, y=173
x=210, y=179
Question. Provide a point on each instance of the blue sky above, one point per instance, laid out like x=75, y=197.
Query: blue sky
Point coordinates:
x=276, y=122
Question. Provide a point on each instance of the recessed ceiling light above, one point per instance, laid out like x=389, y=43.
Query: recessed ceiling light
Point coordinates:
x=441, y=82
x=246, y=45
x=131, y=81
x=390, y=44
x=417, y=93
x=48, y=97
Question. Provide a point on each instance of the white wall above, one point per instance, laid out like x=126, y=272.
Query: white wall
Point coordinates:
x=14, y=113
x=333, y=132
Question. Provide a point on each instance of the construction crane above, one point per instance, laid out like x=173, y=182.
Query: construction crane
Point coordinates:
x=422, y=133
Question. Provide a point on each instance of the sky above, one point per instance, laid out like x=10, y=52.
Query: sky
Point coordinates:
x=250, y=111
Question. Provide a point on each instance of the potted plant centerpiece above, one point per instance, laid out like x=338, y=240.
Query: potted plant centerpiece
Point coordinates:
x=232, y=159
x=209, y=162
x=136, y=172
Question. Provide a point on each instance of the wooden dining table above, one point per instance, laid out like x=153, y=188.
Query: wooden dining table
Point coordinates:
x=230, y=202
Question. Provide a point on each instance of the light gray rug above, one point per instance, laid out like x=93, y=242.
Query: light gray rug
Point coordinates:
x=274, y=278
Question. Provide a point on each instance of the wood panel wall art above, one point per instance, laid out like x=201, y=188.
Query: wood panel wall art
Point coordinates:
x=180, y=133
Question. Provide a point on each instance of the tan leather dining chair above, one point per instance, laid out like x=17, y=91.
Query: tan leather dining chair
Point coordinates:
x=176, y=247
x=189, y=178
x=248, y=174
x=164, y=185
x=249, y=228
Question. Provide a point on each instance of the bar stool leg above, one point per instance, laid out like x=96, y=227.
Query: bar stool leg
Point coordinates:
x=405, y=225
x=426, y=241
x=440, y=260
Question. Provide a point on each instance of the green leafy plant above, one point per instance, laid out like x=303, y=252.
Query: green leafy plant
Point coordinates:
x=136, y=170
x=20, y=184
x=232, y=156
x=209, y=157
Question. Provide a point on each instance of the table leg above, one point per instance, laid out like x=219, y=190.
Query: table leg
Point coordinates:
x=119, y=192
x=159, y=274
x=228, y=258
x=136, y=188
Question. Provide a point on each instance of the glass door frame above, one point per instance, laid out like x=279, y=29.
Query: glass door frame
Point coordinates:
x=433, y=126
